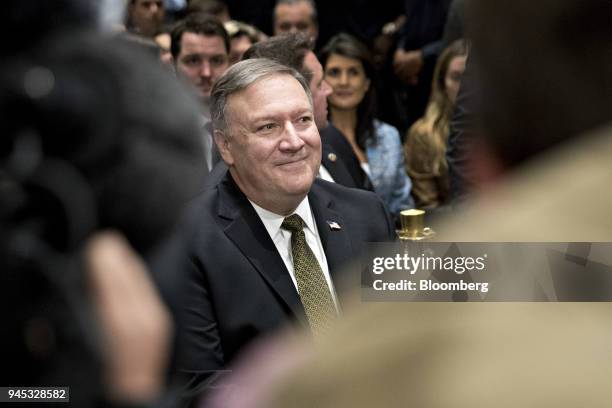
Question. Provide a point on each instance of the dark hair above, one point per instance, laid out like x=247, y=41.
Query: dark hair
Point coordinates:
x=348, y=46
x=90, y=105
x=547, y=82
x=198, y=23
x=288, y=50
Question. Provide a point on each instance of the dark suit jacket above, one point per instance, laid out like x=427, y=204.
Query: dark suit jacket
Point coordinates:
x=336, y=140
x=239, y=286
x=335, y=166
x=461, y=132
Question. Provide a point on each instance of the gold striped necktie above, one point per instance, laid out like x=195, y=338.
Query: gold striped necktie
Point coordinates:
x=312, y=286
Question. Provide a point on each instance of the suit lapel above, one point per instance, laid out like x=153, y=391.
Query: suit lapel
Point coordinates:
x=336, y=242
x=336, y=167
x=245, y=229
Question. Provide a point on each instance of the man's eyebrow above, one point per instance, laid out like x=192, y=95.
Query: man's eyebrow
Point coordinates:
x=203, y=54
x=263, y=118
x=295, y=112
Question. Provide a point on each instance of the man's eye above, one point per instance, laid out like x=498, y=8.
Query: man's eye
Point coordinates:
x=267, y=127
x=304, y=121
x=191, y=61
x=218, y=61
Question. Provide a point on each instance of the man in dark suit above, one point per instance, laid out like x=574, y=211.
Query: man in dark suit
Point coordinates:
x=270, y=238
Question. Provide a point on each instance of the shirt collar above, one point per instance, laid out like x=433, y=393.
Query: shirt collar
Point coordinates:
x=273, y=221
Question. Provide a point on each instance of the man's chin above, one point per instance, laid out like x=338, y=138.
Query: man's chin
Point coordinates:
x=297, y=192
x=300, y=183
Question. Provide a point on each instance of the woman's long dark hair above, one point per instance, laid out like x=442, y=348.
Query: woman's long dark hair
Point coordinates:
x=348, y=46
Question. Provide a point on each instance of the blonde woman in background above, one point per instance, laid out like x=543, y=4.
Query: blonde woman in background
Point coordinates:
x=425, y=146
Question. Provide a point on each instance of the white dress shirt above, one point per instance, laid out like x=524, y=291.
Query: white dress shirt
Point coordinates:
x=324, y=174
x=282, y=239
x=366, y=169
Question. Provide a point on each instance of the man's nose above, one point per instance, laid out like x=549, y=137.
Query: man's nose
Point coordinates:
x=205, y=69
x=291, y=138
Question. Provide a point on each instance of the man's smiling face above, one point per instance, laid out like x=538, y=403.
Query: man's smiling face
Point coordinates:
x=273, y=146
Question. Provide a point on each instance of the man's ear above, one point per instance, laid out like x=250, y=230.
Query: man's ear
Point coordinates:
x=224, y=146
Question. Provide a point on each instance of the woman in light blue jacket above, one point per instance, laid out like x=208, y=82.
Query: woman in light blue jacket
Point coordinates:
x=349, y=70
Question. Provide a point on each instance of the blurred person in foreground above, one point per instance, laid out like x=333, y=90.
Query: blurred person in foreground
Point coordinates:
x=279, y=234
x=96, y=165
x=436, y=355
x=350, y=71
x=425, y=146
x=540, y=151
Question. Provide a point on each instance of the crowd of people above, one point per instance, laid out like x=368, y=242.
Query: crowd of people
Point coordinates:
x=353, y=70
x=182, y=184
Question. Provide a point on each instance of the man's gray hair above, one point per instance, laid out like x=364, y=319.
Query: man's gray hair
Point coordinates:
x=239, y=77
x=313, y=7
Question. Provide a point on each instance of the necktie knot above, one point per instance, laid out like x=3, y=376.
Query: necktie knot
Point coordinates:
x=293, y=223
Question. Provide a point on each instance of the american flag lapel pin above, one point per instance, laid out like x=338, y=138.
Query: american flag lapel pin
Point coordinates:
x=334, y=226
